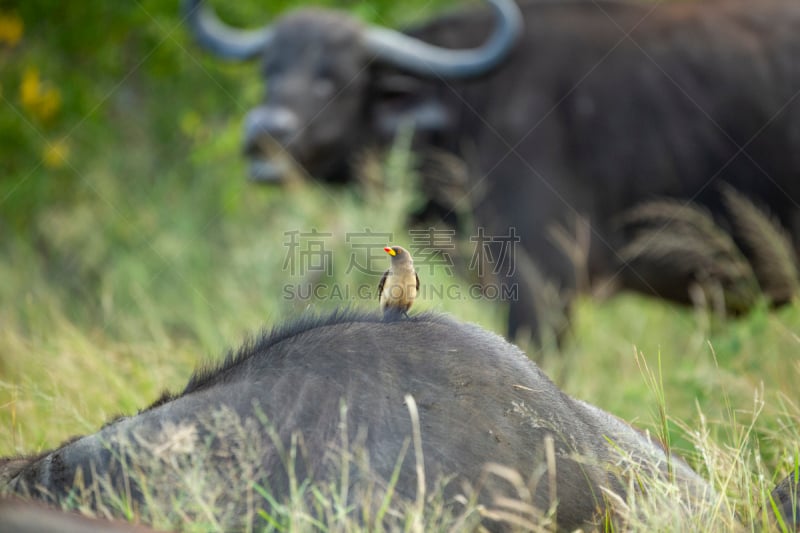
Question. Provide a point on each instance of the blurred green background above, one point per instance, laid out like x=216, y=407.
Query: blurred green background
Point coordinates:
x=132, y=247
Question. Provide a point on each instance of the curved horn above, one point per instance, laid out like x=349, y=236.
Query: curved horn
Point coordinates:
x=221, y=39
x=424, y=59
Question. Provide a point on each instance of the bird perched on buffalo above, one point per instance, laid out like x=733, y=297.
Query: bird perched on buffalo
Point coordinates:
x=399, y=285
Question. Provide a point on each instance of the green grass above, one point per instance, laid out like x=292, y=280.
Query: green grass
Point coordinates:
x=146, y=253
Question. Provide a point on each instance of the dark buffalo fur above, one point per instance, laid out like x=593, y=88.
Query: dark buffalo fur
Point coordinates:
x=480, y=401
x=602, y=105
x=786, y=496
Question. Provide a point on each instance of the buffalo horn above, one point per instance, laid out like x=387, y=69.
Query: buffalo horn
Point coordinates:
x=416, y=56
x=220, y=38
x=388, y=46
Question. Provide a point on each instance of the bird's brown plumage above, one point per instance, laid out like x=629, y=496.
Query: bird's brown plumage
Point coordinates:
x=399, y=285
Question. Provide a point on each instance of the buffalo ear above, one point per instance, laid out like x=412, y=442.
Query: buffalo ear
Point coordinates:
x=405, y=101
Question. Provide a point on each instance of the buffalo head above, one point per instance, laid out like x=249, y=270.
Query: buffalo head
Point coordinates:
x=334, y=83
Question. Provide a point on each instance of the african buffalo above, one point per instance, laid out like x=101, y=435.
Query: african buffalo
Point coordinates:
x=564, y=111
x=348, y=401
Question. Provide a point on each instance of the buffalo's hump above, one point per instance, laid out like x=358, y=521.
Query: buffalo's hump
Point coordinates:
x=308, y=398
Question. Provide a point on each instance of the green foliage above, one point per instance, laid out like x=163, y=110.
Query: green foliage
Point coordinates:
x=121, y=85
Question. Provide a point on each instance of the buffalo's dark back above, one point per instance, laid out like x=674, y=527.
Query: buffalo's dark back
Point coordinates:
x=480, y=401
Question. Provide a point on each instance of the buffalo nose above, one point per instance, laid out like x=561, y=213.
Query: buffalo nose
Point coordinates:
x=277, y=123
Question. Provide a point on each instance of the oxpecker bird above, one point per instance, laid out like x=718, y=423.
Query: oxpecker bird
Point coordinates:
x=399, y=285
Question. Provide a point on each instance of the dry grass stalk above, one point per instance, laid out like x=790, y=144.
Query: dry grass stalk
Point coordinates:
x=773, y=257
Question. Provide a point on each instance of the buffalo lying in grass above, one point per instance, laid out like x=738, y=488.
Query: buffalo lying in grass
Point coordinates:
x=366, y=413
x=567, y=111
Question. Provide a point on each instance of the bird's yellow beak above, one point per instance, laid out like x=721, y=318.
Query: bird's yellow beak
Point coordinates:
x=390, y=251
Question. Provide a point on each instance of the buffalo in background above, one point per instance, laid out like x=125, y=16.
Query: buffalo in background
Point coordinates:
x=564, y=112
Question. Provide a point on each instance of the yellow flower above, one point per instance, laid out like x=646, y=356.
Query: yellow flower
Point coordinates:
x=38, y=99
x=30, y=88
x=11, y=27
x=49, y=103
x=190, y=122
x=55, y=155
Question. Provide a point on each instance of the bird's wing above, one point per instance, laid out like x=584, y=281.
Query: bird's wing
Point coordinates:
x=382, y=283
x=417, y=276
